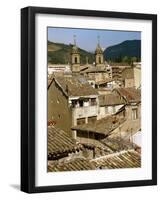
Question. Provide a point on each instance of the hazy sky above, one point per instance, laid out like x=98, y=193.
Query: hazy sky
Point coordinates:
x=87, y=38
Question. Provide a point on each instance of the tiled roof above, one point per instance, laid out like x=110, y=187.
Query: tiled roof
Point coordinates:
x=123, y=159
x=49, y=82
x=104, y=81
x=94, y=69
x=129, y=94
x=117, y=144
x=110, y=99
x=83, y=67
x=102, y=126
x=75, y=86
x=60, y=142
x=75, y=164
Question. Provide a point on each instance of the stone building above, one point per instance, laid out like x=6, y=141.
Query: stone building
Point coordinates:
x=94, y=132
x=132, y=112
x=132, y=77
x=109, y=104
x=95, y=73
x=122, y=119
x=71, y=101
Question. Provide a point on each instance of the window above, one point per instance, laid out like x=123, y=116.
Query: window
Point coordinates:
x=76, y=60
x=99, y=60
x=92, y=119
x=80, y=121
x=86, y=103
x=106, y=110
x=114, y=109
x=81, y=103
x=93, y=102
x=134, y=114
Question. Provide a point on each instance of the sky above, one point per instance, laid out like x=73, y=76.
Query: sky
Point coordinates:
x=88, y=38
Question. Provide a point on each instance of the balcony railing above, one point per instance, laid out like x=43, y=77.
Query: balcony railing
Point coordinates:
x=87, y=111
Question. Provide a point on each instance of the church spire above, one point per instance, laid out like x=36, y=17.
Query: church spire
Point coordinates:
x=74, y=37
x=98, y=38
x=99, y=61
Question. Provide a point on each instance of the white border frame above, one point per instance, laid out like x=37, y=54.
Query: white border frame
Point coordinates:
x=62, y=178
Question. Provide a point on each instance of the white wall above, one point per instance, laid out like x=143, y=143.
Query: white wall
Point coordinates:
x=10, y=98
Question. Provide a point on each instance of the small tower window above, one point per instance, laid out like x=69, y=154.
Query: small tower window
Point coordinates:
x=76, y=60
x=99, y=60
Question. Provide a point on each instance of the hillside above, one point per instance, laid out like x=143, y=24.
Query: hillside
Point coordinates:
x=123, y=51
x=59, y=53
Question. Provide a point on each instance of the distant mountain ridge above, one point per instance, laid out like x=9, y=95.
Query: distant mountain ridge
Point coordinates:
x=59, y=53
x=128, y=48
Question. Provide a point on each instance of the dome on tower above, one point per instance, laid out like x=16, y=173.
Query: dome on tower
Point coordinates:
x=75, y=49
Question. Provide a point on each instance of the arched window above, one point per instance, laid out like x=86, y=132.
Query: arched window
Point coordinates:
x=99, y=59
x=76, y=60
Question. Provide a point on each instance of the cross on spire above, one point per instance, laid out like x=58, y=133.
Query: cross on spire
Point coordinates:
x=98, y=38
x=74, y=36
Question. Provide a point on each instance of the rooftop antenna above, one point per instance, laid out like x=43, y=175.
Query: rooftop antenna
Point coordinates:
x=74, y=36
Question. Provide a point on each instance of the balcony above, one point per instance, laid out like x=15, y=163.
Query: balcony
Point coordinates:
x=86, y=111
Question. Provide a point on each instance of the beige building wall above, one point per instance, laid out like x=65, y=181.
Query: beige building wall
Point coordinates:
x=137, y=77
x=58, y=109
x=129, y=82
x=105, y=111
x=130, y=126
x=98, y=76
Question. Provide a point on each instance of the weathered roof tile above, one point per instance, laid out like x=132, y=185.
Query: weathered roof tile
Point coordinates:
x=123, y=159
x=60, y=142
x=110, y=99
x=75, y=86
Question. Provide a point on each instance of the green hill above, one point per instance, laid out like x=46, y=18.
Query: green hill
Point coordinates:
x=125, y=51
x=59, y=53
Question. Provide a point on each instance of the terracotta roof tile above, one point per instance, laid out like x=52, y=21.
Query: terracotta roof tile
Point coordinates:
x=75, y=164
x=94, y=69
x=110, y=99
x=129, y=94
x=123, y=159
x=60, y=142
x=102, y=126
x=75, y=86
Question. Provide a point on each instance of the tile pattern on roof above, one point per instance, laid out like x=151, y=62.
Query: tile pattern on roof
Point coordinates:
x=102, y=126
x=75, y=86
x=60, y=142
x=94, y=69
x=117, y=144
x=110, y=99
x=124, y=159
x=76, y=164
x=130, y=94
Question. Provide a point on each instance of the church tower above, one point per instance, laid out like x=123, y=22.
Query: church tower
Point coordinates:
x=99, y=55
x=75, y=58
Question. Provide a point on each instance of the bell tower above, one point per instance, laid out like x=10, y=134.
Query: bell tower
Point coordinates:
x=75, y=58
x=99, y=60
